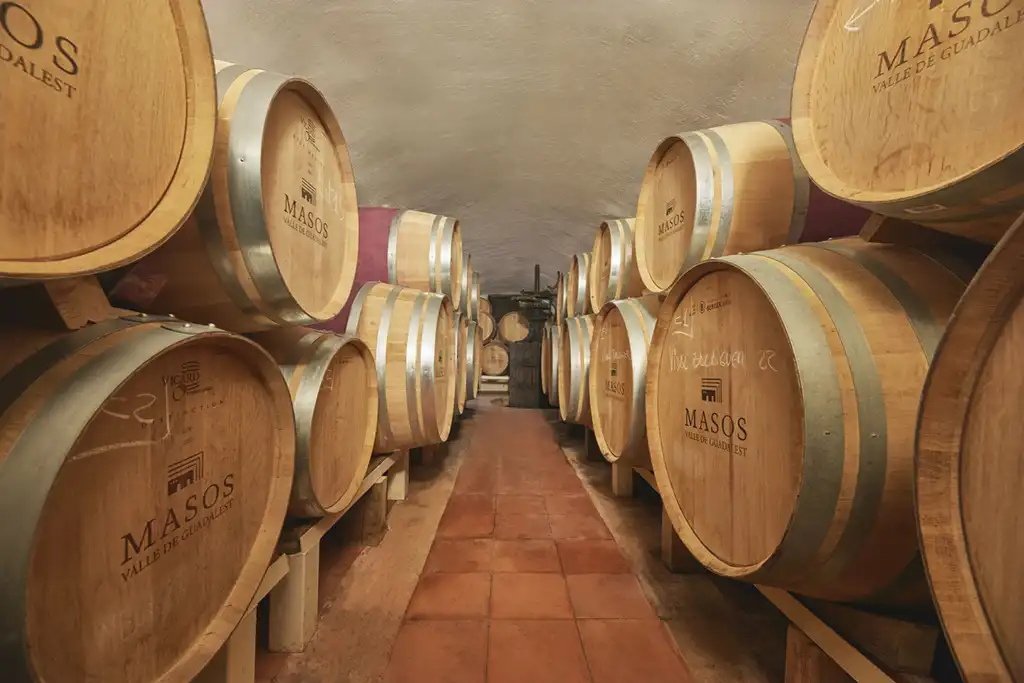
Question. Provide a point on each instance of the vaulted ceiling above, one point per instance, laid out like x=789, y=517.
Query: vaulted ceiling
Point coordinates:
x=530, y=121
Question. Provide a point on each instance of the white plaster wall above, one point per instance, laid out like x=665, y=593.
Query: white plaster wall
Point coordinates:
x=529, y=120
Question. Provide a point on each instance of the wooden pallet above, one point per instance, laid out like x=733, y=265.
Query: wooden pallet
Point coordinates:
x=292, y=580
x=838, y=644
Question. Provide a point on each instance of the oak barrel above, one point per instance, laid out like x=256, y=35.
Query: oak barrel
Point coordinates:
x=466, y=282
x=410, y=335
x=560, y=297
x=729, y=190
x=577, y=294
x=545, y=358
x=86, y=186
x=912, y=109
x=474, y=298
x=968, y=471
x=425, y=253
x=333, y=383
x=474, y=365
x=461, y=338
x=554, y=334
x=575, y=337
x=613, y=271
x=513, y=327
x=618, y=378
x=274, y=241
x=494, y=359
x=487, y=326
x=145, y=469
x=782, y=389
x=484, y=303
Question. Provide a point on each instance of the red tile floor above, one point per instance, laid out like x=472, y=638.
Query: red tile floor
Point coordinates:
x=524, y=583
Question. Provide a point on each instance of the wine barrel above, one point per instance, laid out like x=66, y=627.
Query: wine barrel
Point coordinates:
x=333, y=382
x=613, y=271
x=876, y=120
x=618, y=378
x=474, y=298
x=545, y=358
x=968, y=473
x=487, y=326
x=466, y=282
x=577, y=296
x=274, y=241
x=574, y=342
x=484, y=304
x=554, y=334
x=560, y=298
x=782, y=389
x=729, y=190
x=425, y=253
x=460, y=338
x=494, y=359
x=513, y=327
x=474, y=365
x=147, y=463
x=75, y=82
x=409, y=333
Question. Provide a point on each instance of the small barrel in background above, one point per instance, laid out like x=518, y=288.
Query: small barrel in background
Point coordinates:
x=782, y=391
x=577, y=295
x=460, y=338
x=968, y=471
x=893, y=119
x=409, y=333
x=484, y=305
x=729, y=190
x=494, y=359
x=618, y=378
x=574, y=344
x=513, y=327
x=425, y=253
x=487, y=326
x=474, y=363
x=142, y=464
x=613, y=271
x=333, y=382
x=274, y=240
x=86, y=185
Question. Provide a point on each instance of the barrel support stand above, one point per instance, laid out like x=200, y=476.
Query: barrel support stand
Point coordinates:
x=294, y=603
x=833, y=651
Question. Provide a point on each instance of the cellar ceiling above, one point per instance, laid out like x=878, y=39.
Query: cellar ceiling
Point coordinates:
x=529, y=121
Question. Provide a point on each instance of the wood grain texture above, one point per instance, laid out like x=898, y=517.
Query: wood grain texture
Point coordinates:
x=487, y=326
x=428, y=253
x=613, y=272
x=85, y=187
x=797, y=373
x=149, y=466
x=968, y=473
x=938, y=160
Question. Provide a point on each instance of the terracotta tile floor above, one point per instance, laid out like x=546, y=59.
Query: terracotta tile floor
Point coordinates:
x=524, y=583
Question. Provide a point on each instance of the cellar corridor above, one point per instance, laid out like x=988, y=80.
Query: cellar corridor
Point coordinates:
x=500, y=568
